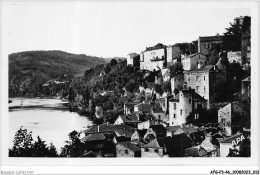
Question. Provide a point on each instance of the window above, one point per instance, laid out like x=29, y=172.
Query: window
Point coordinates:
x=126, y=151
x=174, y=105
x=181, y=111
x=146, y=149
x=204, y=88
x=156, y=150
x=206, y=45
x=204, y=78
x=197, y=78
x=188, y=78
x=189, y=87
x=197, y=88
x=174, y=116
x=190, y=100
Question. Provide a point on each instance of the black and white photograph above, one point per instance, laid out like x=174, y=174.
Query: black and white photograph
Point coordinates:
x=118, y=80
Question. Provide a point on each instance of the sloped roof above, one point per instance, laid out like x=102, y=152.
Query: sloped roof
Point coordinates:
x=247, y=79
x=203, y=69
x=173, y=128
x=144, y=107
x=121, y=130
x=133, y=55
x=129, y=118
x=197, y=97
x=94, y=137
x=153, y=144
x=130, y=146
x=175, y=99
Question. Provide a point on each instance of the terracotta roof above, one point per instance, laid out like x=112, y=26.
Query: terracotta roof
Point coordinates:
x=153, y=144
x=203, y=69
x=120, y=130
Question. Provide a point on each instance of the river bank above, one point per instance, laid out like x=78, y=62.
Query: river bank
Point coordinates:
x=48, y=118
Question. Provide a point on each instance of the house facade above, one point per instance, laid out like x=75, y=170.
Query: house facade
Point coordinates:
x=206, y=43
x=153, y=58
x=193, y=61
x=173, y=54
x=133, y=59
x=205, y=81
x=127, y=149
x=184, y=104
x=152, y=149
x=230, y=117
x=177, y=82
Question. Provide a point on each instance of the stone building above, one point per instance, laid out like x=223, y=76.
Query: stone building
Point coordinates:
x=193, y=61
x=173, y=54
x=133, y=59
x=206, y=43
x=230, y=117
x=186, y=103
x=153, y=58
x=128, y=149
x=206, y=81
x=152, y=149
x=177, y=82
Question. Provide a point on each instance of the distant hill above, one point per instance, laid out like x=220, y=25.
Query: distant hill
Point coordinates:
x=33, y=68
x=116, y=58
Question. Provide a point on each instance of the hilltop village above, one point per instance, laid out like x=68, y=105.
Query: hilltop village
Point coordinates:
x=180, y=100
x=187, y=102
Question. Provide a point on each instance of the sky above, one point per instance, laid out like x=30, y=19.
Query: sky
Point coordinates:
x=111, y=29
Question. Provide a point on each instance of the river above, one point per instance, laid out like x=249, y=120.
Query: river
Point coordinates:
x=48, y=118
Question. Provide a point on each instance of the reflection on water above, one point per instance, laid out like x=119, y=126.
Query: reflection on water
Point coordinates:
x=51, y=125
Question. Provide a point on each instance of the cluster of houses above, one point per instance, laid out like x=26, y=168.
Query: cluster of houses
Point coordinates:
x=161, y=127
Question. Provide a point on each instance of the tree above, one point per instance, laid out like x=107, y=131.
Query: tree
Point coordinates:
x=39, y=148
x=74, y=146
x=232, y=37
x=176, y=69
x=52, y=151
x=130, y=86
x=22, y=144
x=113, y=62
